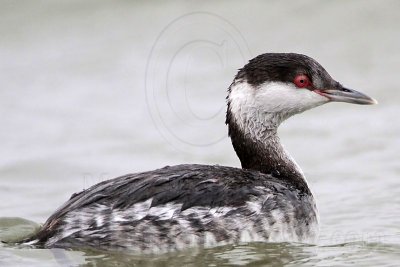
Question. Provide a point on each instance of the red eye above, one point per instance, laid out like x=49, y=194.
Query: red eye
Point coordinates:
x=302, y=81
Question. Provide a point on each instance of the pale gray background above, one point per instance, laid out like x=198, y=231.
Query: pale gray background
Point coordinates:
x=76, y=109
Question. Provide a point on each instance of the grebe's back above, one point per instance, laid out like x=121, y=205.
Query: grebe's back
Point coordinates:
x=183, y=206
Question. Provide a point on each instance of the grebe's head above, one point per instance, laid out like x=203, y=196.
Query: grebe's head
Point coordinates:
x=275, y=86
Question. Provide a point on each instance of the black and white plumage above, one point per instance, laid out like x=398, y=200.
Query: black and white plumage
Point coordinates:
x=183, y=206
x=202, y=206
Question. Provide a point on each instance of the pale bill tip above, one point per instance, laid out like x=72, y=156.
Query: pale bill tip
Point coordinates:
x=374, y=101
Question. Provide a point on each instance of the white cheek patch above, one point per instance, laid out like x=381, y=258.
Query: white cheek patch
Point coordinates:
x=270, y=103
x=286, y=98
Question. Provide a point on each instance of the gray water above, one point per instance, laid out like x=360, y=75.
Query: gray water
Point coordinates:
x=90, y=90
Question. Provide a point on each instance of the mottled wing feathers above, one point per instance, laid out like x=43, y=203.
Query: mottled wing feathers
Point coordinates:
x=183, y=186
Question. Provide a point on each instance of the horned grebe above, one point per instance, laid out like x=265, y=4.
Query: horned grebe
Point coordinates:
x=184, y=206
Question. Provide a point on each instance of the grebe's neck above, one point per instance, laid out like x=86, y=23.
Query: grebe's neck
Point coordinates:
x=266, y=155
x=253, y=130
